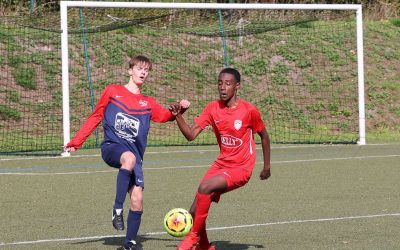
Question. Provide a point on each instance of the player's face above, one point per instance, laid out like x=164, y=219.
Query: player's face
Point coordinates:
x=227, y=86
x=139, y=73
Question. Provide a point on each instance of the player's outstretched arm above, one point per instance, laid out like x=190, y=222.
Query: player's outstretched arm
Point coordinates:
x=189, y=132
x=266, y=148
x=90, y=124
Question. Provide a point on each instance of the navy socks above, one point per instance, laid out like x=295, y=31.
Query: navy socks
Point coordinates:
x=134, y=219
x=123, y=179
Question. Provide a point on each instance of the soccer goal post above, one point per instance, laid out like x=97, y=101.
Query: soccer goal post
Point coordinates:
x=302, y=64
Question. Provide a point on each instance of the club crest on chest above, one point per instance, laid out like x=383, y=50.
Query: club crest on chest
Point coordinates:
x=143, y=103
x=237, y=124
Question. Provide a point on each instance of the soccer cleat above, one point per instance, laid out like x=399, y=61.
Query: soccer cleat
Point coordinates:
x=118, y=220
x=190, y=241
x=131, y=245
x=209, y=247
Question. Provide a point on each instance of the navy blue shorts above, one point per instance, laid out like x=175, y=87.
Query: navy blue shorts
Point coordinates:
x=111, y=154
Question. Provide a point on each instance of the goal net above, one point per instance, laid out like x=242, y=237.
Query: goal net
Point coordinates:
x=300, y=67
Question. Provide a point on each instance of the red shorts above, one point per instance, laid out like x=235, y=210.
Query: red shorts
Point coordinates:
x=235, y=178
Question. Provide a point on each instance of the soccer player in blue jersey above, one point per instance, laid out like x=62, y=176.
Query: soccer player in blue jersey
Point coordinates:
x=126, y=115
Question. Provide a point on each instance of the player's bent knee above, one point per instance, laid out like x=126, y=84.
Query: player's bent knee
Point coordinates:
x=205, y=189
x=128, y=161
x=215, y=184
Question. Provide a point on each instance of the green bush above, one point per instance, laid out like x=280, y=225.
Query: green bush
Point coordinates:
x=9, y=113
x=13, y=96
x=395, y=22
x=25, y=78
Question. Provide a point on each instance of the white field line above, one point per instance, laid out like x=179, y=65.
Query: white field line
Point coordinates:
x=210, y=229
x=337, y=158
x=188, y=151
x=203, y=166
x=61, y=173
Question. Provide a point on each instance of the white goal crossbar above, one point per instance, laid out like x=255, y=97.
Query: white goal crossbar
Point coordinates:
x=64, y=5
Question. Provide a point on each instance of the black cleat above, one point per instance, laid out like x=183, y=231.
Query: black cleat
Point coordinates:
x=131, y=245
x=118, y=220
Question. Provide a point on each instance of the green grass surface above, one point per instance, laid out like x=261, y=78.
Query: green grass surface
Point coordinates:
x=319, y=197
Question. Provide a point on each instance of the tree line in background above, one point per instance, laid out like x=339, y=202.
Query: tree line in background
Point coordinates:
x=375, y=9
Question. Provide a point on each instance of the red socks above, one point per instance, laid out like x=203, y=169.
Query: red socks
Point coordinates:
x=203, y=203
x=204, y=243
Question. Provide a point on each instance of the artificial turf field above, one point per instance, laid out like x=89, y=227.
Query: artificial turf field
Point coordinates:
x=318, y=197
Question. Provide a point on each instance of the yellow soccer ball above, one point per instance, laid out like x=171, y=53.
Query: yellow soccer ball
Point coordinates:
x=178, y=222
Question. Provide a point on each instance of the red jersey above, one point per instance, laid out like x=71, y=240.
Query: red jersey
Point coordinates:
x=234, y=129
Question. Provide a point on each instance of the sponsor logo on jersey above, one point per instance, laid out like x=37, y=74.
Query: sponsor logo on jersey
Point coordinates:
x=237, y=124
x=126, y=126
x=143, y=103
x=230, y=141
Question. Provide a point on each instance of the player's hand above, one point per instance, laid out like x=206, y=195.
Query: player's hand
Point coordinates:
x=175, y=108
x=265, y=173
x=179, y=107
x=69, y=149
x=184, y=105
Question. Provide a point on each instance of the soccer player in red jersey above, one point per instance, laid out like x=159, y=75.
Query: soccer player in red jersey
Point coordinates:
x=126, y=116
x=234, y=121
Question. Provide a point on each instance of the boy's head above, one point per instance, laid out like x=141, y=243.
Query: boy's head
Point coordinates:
x=228, y=84
x=140, y=61
x=139, y=68
x=233, y=72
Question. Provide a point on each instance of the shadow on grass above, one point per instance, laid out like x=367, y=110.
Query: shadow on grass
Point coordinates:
x=225, y=245
x=109, y=241
x=118, y=241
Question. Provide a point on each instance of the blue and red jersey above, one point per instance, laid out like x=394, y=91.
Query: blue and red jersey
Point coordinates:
x=126, y=119
x=234, y=129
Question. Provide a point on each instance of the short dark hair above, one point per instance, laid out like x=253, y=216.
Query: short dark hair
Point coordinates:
x=138, y=60
x=233, y=72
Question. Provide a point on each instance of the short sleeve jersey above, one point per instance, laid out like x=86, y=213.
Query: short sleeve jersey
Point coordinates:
x=234, y=129
x=126, y=118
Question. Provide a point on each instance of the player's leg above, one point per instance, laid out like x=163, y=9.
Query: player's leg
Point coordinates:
x=118, y=156
x=128, y=161
x=213, y=185
x=202, y=204
x=134, y=216
x=203, y=241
